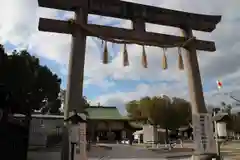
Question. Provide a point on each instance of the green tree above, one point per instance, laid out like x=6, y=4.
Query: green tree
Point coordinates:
x=134, y=111
x=62, y=97
x=183, y=113
x=145, y=107
x=28, y=84
x=163, y=111
x=227, y=108
x=156, y=111
x=3, y=91
x=2, y=55
x=236, y=122
x=52, y=107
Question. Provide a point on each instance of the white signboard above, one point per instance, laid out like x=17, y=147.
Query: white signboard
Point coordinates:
x=74, y=135
x=203, y=133
x=221, y=129
x=78, y=136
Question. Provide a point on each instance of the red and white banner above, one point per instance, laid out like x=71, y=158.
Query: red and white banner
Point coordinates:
x=219, y=84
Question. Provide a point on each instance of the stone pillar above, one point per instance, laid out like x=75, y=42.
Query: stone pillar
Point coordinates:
x=76, y=66
x=194, y=77
x=75, y=77
x=195, y=85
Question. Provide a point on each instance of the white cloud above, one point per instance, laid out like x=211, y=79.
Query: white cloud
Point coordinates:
x=19, y=21
x=103, y=83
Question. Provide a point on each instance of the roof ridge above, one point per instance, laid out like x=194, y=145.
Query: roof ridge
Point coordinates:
x=110, y=107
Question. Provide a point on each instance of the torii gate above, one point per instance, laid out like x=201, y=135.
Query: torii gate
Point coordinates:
x=139, y=15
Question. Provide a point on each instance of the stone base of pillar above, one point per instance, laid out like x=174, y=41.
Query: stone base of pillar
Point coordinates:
x=65, y=144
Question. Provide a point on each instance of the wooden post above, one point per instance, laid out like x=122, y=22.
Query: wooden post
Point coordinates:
x=138, y=25
x=75, y=77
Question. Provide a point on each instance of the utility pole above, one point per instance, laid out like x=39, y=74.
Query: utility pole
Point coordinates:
x=139, y=15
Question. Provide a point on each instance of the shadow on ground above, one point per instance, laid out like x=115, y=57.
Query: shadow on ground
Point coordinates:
x=116, y=151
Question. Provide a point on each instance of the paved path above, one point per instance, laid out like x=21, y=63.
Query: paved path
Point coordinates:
x=126, y=152
x=118, y=151
x=121, y=151
x=231, y=150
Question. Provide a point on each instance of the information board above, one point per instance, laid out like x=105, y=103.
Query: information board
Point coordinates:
x=78, y=136
x=203, y=134
x=74, y=136
x=82, y=133
x=82, y=141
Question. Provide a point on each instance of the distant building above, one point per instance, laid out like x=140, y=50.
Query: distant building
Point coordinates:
x=43, y=126
x=106, y=123
x=151, y=134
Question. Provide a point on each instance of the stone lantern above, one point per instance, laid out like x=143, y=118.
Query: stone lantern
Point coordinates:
x=77, y=136
x=221, y=120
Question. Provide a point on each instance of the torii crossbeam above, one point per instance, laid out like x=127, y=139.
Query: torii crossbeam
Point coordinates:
x=139, y=15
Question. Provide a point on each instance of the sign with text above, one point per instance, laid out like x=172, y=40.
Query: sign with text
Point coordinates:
x=78, y=136
x=74, y=136
x=82, y=133
x=81, y=152
x=203, y=133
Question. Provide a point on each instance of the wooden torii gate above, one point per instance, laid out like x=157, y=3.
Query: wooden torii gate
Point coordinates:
x=139, y=15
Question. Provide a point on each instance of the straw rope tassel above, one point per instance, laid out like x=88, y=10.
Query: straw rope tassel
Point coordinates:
x=102, y=42
x=105, y=54
x=164, y=60
x=71, y=21
x=144, y=58
x=112, y=45
x=180, y=59
x=125, y=56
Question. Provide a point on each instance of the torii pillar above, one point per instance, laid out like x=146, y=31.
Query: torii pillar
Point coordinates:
x=76, y=66
x=75, y=74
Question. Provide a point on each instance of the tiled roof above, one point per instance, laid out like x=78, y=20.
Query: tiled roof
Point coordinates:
x=107, y=113
x=93, y=112
x=221, y=117
x=42, y=116
x=136, y=125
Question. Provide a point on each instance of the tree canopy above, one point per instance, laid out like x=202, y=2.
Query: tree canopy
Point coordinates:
x=235, y=121
x=25, y=84
x=84, y=100
x=164, y=111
